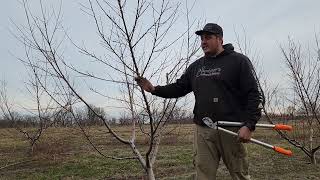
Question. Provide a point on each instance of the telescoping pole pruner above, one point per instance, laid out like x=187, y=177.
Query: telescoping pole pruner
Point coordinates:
x=216, y=125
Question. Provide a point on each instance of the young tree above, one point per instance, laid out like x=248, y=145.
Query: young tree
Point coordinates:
x=40, y=117
x=304, y=73
x=135, y=37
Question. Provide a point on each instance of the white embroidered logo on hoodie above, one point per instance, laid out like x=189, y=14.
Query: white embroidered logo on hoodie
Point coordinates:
x=208, y=72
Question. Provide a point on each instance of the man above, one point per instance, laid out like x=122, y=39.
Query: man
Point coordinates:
x=225, y=89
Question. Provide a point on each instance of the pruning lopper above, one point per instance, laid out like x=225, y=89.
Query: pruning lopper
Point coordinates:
x=217, y=125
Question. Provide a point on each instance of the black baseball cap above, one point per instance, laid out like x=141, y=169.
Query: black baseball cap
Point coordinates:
x=211, y=28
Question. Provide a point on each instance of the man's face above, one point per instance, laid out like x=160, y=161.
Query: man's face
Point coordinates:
x=210, y=43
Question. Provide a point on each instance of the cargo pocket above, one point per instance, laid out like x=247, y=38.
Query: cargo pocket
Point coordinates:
x=200, y=146
x=240, y=159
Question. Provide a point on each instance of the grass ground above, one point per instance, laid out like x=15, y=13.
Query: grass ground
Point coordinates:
x=64, y=153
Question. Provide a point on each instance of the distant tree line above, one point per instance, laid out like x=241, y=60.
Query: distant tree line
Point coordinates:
x=86, y=117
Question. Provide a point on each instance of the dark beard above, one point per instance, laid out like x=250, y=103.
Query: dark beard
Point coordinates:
x=211, y=53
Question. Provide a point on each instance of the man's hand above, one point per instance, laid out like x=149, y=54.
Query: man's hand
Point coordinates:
x=144, y=84
x=244, y=134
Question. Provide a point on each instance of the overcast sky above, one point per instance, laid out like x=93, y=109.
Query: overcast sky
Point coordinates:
x=267, y=24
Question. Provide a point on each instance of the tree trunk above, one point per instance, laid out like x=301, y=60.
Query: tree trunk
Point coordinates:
x=313, y=158
x=150, y=174
x=313, y=153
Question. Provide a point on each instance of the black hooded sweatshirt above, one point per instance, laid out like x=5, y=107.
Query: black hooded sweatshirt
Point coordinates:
x=225, y=88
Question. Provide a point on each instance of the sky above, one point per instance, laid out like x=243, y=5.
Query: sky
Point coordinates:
x=267, y=25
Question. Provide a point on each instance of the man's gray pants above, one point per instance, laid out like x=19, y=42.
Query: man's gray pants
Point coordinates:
x=210, y=145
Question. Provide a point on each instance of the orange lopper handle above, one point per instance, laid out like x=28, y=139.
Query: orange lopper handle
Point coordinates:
x=282, y=151
x=282, y=127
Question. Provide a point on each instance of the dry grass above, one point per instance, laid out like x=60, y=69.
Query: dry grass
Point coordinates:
x=64, y=153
